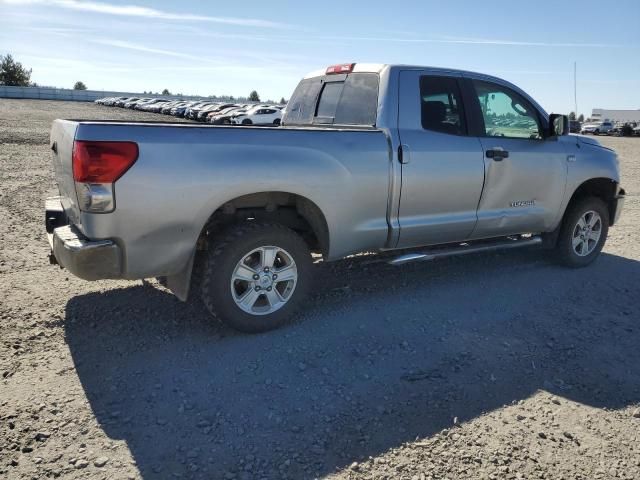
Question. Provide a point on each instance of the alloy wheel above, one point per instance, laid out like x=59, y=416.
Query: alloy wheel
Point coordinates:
x=264, y=280
x=586, y=233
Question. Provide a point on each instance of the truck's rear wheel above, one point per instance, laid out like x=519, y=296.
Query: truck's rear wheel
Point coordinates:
x=583, y=233
x=256, y=276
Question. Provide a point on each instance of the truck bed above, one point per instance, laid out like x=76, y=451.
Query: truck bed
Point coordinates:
x=185, y=172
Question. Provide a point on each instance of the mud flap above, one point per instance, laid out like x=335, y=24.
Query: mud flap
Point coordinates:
x=180, y=282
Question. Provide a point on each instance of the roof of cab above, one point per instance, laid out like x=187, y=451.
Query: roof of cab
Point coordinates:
x=379, y=67
x=358, y=67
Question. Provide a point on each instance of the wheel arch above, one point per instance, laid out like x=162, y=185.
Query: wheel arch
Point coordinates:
x=604, y=188
x=601, y=187
x=292, y=210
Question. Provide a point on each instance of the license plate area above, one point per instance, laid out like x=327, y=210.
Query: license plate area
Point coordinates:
x=55, y=215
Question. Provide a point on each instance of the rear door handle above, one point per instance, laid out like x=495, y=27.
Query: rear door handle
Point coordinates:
x=404, y=154
x=497, y=153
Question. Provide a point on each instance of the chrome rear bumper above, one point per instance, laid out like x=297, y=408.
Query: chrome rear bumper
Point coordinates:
x=87, y=259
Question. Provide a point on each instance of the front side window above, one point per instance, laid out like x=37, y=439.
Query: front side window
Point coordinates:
x=441, y=105
x=506, y=113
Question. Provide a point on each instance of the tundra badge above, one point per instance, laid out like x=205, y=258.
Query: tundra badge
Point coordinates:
x=523, y=203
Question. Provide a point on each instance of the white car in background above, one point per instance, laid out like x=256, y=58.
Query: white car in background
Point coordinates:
x=597, y=128
x=259, y=115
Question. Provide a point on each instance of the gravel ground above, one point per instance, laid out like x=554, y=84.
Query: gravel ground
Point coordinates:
x=491, y=366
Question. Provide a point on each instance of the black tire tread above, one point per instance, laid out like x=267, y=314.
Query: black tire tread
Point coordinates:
x=564, y=249
x=220, y=247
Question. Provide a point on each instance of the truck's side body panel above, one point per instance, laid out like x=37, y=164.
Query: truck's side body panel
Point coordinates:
x=587, y=161
x=447, y=191
x=524, y=191
x=442, y=175
x=185, y=173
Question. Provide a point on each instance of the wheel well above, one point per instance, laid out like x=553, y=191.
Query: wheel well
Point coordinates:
x=603, y=188
x=294, y=211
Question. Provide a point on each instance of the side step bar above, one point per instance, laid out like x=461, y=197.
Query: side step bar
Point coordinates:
x=463, y=249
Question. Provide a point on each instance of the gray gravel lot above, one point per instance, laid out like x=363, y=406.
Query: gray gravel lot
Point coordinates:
x=493, y=366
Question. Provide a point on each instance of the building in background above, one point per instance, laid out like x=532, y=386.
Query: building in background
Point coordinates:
x=623, y=116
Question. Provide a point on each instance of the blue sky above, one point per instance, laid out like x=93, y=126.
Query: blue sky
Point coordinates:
x=232, y=47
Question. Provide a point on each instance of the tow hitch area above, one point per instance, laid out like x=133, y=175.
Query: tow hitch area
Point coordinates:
x=54, y=217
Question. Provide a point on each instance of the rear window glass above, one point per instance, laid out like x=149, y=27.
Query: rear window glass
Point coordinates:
x=329, y=100
x=302, y=105
x=359, y=102
x=353, y=101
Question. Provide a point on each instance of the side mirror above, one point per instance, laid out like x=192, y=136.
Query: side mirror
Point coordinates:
x=558, y=125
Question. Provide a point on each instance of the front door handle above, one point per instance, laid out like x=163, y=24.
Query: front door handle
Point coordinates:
x=497, y=153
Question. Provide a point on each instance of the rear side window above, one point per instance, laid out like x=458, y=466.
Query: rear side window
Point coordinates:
x=441, y=105
x=350, y=101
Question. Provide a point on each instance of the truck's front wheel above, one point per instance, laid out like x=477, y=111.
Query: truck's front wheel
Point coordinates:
x=583, y=232
x=256, y=276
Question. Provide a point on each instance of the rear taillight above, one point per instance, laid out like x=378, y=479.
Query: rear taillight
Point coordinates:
x=102, y=162
x=341, y=68
x=96, y=166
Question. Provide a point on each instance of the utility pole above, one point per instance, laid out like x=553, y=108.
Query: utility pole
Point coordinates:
x=575, y=90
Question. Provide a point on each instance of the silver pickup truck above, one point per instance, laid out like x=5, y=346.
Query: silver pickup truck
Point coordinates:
x=411, y=162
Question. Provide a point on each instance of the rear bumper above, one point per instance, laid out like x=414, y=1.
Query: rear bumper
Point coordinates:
x=86, y=259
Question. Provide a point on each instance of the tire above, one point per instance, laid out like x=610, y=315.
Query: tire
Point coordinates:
x=256, y=305
x=246, y=121
x=596, y=132
x=276, y=122
x=571, y=248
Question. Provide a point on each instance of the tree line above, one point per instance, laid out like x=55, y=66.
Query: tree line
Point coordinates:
x=572, y=116
x=14, y=74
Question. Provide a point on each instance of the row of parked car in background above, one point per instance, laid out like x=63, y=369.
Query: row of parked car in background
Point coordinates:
x=209, y=111
x=620, y=129
x=226, y=113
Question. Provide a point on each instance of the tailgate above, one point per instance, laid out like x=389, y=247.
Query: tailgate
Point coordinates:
x=61, y=142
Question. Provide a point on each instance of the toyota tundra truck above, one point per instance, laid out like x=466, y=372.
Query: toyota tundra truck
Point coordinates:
x=411, y=162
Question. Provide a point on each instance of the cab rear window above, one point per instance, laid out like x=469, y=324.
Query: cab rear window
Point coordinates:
x=329, y=98
x=335, y=100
